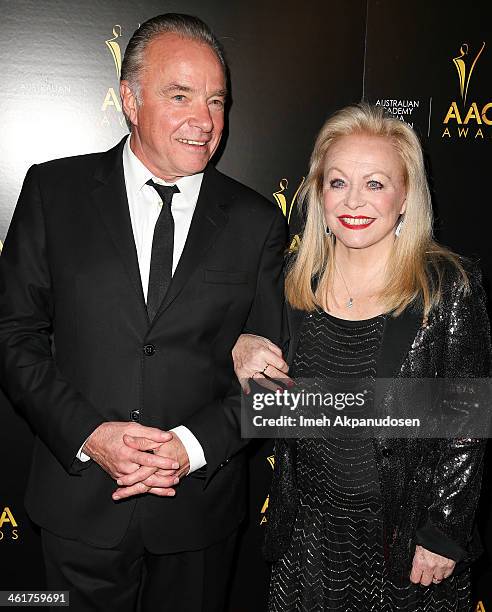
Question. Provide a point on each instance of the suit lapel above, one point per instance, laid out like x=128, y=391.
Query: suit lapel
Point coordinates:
x=110, y=199
x=208, y=221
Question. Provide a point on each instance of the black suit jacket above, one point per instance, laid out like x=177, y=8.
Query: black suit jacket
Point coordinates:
x=74, y=331
x=430, y=487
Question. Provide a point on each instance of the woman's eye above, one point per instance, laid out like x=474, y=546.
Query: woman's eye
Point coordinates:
x=337, y=183
x=374, y=185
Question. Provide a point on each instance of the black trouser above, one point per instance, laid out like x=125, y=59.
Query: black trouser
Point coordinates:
x=127, y=578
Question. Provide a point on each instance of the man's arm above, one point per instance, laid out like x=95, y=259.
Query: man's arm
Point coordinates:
x=59, y=414
x=218, y=425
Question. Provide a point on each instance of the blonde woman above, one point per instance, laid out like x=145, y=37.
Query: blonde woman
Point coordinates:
x=373, y=524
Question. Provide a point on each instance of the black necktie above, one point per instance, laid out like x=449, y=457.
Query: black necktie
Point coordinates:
x=161, y=263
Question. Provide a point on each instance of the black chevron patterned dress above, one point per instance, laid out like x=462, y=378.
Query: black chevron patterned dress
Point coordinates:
x=335, y=558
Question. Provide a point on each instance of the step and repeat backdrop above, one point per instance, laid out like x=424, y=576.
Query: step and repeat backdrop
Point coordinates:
x=292, y=65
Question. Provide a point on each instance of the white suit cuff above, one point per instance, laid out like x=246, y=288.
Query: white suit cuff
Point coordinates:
x=192, y=447
x=81, y=456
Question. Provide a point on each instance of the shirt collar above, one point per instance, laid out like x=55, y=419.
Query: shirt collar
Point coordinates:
x=137, y=174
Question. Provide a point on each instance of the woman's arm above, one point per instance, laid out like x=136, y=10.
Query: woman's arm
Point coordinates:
x=457, y=478
x=256, y=357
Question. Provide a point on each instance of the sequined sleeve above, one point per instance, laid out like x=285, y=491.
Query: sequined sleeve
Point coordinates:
x=283, y=503
x=457, y=478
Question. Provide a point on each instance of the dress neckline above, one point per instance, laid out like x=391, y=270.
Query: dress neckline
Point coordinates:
x=350, y=322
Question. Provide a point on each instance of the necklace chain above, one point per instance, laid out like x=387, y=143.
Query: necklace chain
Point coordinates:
x=350, y=301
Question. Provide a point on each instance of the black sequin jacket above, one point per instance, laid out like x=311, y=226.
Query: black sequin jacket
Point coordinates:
x=430, y=487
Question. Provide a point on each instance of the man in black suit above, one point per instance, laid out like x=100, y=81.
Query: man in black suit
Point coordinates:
x=126, y=278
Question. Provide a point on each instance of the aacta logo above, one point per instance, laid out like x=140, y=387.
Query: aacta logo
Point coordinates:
x=8, y=525
x=480, y=607
x=111, y=100
x=467, y=120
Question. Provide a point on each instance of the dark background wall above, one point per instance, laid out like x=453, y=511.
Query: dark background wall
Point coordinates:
x=292, y=65
x=409, y=58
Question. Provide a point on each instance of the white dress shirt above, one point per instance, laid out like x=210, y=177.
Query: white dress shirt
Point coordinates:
x=145, y=205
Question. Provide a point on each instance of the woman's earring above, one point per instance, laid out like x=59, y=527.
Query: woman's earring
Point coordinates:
x=328, y=231
x=399, y=225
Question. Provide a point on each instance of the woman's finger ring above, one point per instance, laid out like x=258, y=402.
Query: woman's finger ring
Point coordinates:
x=436, y=580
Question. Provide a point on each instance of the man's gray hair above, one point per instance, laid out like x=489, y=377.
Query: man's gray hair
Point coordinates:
x=186, y=26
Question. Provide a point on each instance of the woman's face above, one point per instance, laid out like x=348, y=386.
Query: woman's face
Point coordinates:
x=363, y=191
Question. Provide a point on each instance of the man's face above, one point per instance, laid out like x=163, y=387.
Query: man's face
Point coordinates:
x=178, y=124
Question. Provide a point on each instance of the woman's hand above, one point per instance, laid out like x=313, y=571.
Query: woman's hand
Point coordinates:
x=430, y=567
x=256, y=357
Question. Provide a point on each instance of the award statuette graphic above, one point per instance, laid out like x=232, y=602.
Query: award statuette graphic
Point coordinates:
x=111, y=105
x=264, y=508
x=279, y=195
x=115, y=49
x=287, y=207
x=465, y=65
x=472, y=120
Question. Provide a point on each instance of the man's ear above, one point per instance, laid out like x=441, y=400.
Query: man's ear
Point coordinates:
x=129, y=102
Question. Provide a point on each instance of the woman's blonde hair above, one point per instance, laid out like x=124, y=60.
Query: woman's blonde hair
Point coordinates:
x=415, y=269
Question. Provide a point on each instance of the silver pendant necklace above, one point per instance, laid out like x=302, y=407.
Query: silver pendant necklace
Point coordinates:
x=350, y=301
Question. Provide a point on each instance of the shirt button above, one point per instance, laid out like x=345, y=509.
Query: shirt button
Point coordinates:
x=135, y=415
x=149, y=349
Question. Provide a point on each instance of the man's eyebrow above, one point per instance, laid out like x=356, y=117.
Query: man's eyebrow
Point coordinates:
x=220, y=92
x=177, y=87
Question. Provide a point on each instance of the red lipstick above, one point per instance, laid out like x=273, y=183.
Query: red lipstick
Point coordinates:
x=346, y=221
